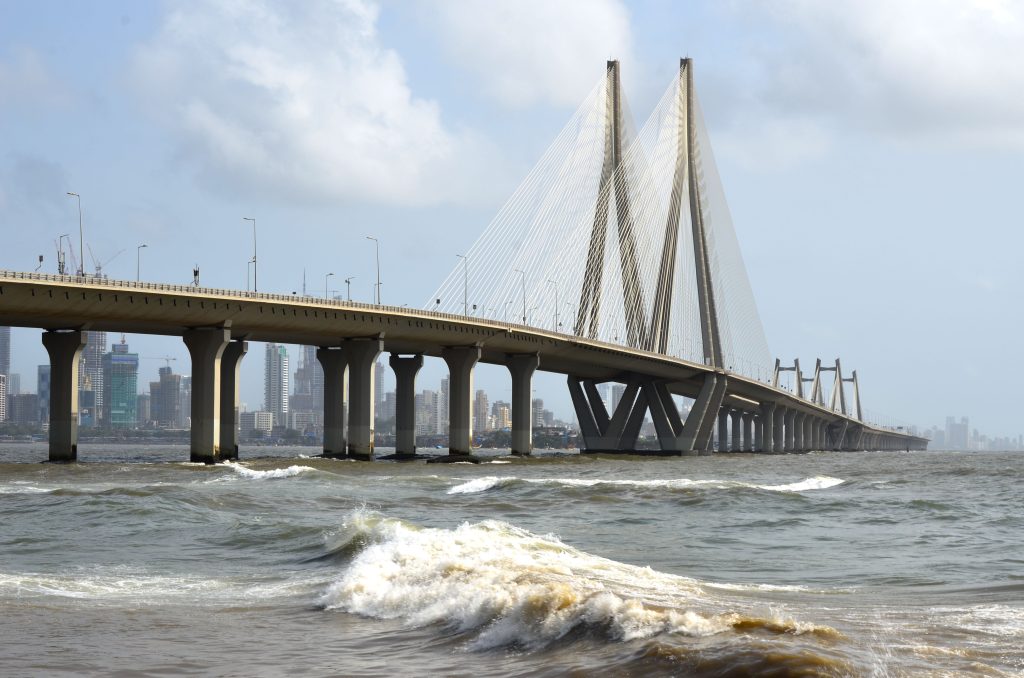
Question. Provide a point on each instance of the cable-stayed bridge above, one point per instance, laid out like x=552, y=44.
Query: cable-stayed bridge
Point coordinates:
x=614, y=262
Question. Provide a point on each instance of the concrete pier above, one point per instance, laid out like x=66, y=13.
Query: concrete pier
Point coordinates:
x=723, y=429
x=65, y=351
x=205, y=347
x=362, y=355
x=790, y=444
x=461, y=361
x=335, y=365
x=798, y=432
x=748, y=432
x=767, y=428
x=230, y=366
x=405, y=369
x=521, y=367
x=736, y=431
x=779, y=443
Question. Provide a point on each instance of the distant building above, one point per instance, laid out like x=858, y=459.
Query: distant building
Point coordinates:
x=23, y=408
x=480, y=412
x=165, y=399
x=275, y=383
x=501, y=415
x=378, y=388
x=443, y=404
x=13, y=383
x=43, y=391
x=185, y=398
x=120, y=387
x=255, y=424
x=618, y=390
x=426, y=413
x=308, y=389
x=90, y=378
x=3, y=397
x=388, y=411
x=957, y=434
x=304, y=422
x=538, y=412
x=142, y=410
x=5, y=350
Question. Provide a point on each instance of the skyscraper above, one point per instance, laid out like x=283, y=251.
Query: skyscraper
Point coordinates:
x=5, y=350
x=308, y=393
x=3, y=397
x=43, y=391
x=90, y=378
x=275, y=383
x=378, y=390
x=165, y=399
x=120, y=387
x=480, y=412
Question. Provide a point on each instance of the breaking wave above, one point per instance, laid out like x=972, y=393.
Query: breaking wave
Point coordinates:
x=253, y=474
x=486, y=483
x=504, y=586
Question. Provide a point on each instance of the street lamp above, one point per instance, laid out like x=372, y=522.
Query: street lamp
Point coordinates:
x=376, y=244
x=81, y=239
x=62, y=265
x=465, y=283
x=523, y=274
x=326, y=278
x=348, y=286
x=254, y=287
x=556, y=303
x=138, y=254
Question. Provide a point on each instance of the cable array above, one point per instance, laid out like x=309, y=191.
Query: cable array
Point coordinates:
x=597, y=240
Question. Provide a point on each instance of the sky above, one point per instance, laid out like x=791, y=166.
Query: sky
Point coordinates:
x=872, y=154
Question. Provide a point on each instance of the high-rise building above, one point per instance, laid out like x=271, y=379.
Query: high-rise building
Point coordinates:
x=142, y=410
x=443, y=403
x=378, y=389
x=120, y=387
x=308, y=390
x=90, y=377
x=275, y=383
x=185, y=398
x=165, y=399
x=957, y=434
x=501, y=414
x=255, y=424
x=13, y=383
x=43, y=391
x=480, y=412
x=426, y=413
x=5, y=350
x=3, y=397
x=23, y=408
x=618, y=390
x=538, y=412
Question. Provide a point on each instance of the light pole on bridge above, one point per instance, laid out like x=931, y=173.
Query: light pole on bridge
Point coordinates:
x=138, y=258
x=81, y=238
x=348, y=287
x=523, y=274
x=465, y=283
x=326, y=279
x=377, y=246
x=253, y=220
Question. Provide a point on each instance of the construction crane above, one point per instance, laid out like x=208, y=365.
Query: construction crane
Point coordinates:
x=98, y=264
x=158, y=357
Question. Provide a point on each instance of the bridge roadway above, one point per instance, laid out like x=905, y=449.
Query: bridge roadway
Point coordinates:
x=215, y=324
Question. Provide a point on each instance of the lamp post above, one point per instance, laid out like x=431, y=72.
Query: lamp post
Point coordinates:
x=138, y=255
x=465, y=283
x=348, y=287
x=326, y=278
x=254, y=286
x=81, y=239
x=377, y=247
x=523, y=274
x=552, y=282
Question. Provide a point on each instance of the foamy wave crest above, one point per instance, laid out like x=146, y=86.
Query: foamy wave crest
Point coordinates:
x=253, y=474
x=22, y=488
x=508, y=587
x=486, y=483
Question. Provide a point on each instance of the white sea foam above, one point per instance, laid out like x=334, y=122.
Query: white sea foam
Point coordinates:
x=19, y=487
x=253, y=474
x=485, y=483
x=511, y=587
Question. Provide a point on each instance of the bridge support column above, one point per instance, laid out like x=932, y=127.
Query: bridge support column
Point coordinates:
x=65, y=351
x=736, y=431
x=521, y=367
x=809, y=433
x=790, y=430
x=230, y=366
x=461, y=361
x=779, y=444
x=405, y=402
x=334, y=361
x=800, y=432
x=766, y=426
x=723, y=429
x=819, y=437
x=748, y=432
x=700, y=422
x=362, y=355
x=205, y=347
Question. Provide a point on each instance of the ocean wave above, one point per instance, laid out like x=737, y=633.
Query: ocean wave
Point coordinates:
x=505, y=586
x=20, y=488
x=485, y=483
x=253, y=474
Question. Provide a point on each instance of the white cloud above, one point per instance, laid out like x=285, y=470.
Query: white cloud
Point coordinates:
x=25, y=81
x=528, y=51
x=301, y=101
x=936, y=69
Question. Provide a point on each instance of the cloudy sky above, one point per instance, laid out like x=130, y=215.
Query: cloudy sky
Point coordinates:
x=872, y=153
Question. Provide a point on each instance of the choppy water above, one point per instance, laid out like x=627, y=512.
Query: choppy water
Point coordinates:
x=869, y=564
